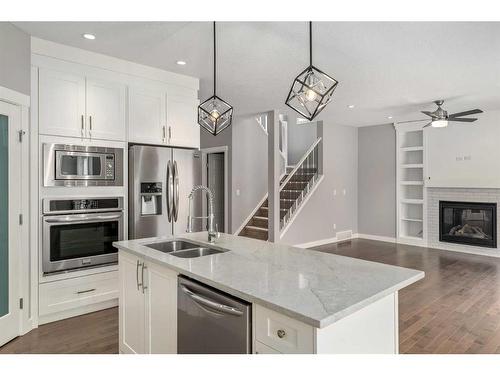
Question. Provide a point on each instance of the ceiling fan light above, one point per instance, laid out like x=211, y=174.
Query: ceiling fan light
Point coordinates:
x=439, y=123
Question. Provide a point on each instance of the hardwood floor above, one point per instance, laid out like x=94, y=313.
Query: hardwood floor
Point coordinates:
x=454, y=309
x=95, y=333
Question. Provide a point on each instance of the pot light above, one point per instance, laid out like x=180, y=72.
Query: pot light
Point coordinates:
x=180, y=62
x=439, y=124
x=350, y=106
x=89, y=36
x=389, y=117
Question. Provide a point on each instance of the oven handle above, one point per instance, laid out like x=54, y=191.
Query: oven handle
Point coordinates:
x=73, y=220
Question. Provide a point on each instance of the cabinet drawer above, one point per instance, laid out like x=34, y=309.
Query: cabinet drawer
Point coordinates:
x=282, y=333
x=81, y=291
x=260, y=348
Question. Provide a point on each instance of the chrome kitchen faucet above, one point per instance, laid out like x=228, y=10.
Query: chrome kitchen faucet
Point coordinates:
x=213, y=233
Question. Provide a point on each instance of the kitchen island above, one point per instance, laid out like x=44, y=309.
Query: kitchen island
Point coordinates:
x=303, y=301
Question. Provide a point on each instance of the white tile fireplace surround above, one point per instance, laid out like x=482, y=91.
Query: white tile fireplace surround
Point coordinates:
x=434, y=195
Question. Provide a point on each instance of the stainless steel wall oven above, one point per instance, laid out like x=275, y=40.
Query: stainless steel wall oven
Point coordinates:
x=71, y=165
x=79, y=233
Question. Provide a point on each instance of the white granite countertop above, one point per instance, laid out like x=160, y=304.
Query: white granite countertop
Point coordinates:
x=313, y=287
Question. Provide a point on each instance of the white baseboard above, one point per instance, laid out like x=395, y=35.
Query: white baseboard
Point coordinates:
x=333, y=240
x=376, y=238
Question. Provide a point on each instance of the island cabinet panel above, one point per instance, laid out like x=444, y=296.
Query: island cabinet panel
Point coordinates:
x=281, y=333
x=148, y=307
x=371, y=330
x=132, y=308
x=161, y=307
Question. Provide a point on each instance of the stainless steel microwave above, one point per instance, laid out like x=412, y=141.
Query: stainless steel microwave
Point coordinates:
x=71, y=165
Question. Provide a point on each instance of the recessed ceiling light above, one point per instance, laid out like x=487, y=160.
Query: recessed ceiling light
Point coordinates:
x=181, y=62
x=351, y=106
x=89, y=36
x=389, y=117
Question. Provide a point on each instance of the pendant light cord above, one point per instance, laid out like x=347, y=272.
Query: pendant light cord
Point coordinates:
x=310, y=44
x=215, y=62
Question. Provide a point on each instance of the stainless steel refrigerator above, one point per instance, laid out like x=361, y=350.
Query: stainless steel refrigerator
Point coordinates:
x=160, y=180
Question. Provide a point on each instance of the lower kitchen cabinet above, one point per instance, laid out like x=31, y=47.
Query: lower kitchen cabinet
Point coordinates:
x=147, y=307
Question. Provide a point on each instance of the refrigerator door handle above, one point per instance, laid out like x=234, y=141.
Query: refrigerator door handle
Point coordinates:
x=169, y=190
x=176, y=192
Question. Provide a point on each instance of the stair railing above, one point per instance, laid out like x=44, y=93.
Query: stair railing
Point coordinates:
x=299, y=182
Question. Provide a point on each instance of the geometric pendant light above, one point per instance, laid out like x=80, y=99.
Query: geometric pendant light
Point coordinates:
x=214, y=114
x=311, y=90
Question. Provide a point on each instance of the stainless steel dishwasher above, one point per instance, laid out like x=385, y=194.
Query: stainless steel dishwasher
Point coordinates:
x=210, y=321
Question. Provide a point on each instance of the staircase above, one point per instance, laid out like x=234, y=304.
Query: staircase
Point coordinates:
x=295, y=186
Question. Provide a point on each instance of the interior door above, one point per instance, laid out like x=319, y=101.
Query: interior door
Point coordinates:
x=61, y=103
x=105, y=110
x=181, y=118
x=10, y=207
x=147, y=116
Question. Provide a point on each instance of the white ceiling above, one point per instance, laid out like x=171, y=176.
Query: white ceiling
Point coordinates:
x=384, y=69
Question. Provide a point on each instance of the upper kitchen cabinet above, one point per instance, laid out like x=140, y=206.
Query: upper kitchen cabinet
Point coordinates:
x=106, y=110
x=183, y=128
x=77, y=106
x=163, y=116
x=61, y=103
x=147, y=116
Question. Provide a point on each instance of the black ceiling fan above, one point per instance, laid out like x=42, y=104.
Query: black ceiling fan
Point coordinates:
x=440, y=117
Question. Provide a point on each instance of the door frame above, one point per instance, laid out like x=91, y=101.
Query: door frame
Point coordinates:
x=27, y=260
x=204, y=180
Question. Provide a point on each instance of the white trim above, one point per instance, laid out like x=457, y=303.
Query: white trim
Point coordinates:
x=204, y=153
x=465, y=250
x=77, y=55
x=376, y=238
x=65, y=314
x=243, y=225
x=324, y=241
x=302, y=204
x=13, y=97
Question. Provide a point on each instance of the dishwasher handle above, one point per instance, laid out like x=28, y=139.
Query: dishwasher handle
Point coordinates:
x=211, y=304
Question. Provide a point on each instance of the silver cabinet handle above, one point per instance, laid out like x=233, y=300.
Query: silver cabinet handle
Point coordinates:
x=176, y=191
x=85, y=291
x=144, y=287
x=169, y=133
x=137, y=274
x=211, y=304
x=90, y=126
x=164, y=134
x=170, y=190
x=281, y=333
x=82, y=131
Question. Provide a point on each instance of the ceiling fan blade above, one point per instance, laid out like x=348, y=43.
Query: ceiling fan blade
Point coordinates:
x=429, y=124
x=466, y=113
x=462, y=119
x=430, y=114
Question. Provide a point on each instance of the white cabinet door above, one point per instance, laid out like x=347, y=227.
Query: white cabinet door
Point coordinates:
x=106, y=110
x=61, y=103
x=161, y=310
x=131, y=305
x=147, y=117
x=184, y=130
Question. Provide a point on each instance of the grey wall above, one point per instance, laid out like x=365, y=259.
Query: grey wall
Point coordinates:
x=324, y=209
x=300, y=138
x=377, y=180
x=249, y=167
x=15, y=58
x=223, y=139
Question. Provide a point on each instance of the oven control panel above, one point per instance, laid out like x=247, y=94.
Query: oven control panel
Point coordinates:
x=75, y=205
x=110, y=167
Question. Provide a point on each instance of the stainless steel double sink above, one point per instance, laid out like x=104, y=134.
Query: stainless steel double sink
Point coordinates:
x=184, y=249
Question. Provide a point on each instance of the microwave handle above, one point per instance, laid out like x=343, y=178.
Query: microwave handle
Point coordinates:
x=72, y=220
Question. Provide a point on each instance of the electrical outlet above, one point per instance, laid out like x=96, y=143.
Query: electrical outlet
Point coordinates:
x=334, y=226
x=237, y=192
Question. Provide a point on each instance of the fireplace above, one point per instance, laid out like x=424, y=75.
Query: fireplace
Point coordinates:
x=468, y=223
